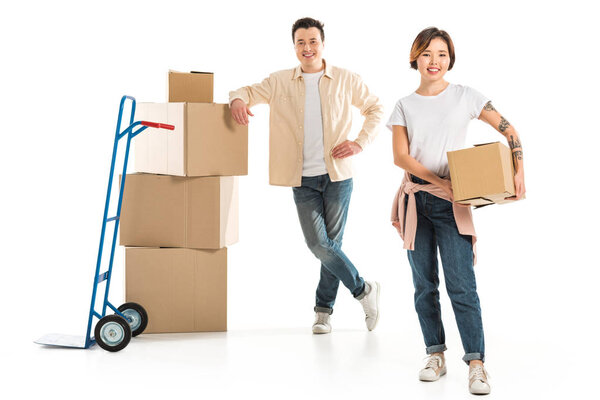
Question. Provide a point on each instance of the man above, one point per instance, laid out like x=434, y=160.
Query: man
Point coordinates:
x=309, y=124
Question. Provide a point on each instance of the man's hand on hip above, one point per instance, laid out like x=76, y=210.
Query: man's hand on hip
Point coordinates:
x=240, y=111
x=346, y=149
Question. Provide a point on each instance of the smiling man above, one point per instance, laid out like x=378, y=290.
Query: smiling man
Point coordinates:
x=309, y=150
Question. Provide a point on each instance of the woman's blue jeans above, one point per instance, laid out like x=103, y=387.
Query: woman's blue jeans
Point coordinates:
x=322, y=209
x=436, y=228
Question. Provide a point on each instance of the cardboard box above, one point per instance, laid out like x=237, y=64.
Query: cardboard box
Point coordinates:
x=482, y=175
x=192, y=87
x=183, y=290
x=206, y=141
x=170, y=211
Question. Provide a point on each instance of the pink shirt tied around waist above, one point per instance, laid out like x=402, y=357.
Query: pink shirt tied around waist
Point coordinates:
x=408, y=229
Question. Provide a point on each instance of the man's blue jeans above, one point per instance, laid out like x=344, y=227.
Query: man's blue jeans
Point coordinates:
x=322, y=209
x=436, y=228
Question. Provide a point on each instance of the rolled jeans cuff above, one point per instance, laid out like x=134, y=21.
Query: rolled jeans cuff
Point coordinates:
x=364, y=291
x=438, y=348
x=473, y=356
x=324, y=310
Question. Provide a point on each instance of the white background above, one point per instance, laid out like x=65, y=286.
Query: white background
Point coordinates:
x=66, y=64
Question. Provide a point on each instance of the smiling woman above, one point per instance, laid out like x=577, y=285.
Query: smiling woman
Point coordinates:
x=424, y=39
x=426, y=125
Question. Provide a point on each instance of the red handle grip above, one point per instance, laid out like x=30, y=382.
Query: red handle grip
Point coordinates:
x=157, y=125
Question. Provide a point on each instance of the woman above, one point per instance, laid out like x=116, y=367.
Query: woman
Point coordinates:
x=425, y=125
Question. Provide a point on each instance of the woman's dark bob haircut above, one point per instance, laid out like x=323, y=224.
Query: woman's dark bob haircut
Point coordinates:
x=422, y=42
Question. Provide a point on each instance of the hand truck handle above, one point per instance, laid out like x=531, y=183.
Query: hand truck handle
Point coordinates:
x=157, y=125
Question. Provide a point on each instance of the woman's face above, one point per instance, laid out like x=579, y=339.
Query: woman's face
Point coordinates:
x=434, y=61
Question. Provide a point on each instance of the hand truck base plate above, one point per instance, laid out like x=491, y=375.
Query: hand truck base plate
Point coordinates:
x=60, y=340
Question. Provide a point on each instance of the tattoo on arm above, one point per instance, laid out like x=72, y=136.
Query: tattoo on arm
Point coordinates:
x=489, y=107
x=518, y=155
x=514, y=144
x=504, y=124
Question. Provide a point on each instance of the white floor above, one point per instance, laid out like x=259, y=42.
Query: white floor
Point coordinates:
x=533, y=317
x=269, y=364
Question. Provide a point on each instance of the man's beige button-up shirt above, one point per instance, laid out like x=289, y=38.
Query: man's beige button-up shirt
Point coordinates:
x=284, y=92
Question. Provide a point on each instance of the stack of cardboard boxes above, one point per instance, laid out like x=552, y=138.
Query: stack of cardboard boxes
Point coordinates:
x=180, y=210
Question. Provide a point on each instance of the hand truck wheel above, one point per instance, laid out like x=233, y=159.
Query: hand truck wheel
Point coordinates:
x=138, y=315
x=112, y=333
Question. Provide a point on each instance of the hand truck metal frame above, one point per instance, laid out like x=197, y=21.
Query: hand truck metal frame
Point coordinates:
x=114, y=331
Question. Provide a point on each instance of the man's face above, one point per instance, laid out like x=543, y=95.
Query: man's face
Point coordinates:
x=309, y=49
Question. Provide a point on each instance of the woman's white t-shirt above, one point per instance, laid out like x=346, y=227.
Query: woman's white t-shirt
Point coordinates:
x=437, y=124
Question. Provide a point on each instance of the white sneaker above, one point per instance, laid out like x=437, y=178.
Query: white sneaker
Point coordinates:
x=434, y=368
x=478, y=380
x=322, y=324
x=370, y=303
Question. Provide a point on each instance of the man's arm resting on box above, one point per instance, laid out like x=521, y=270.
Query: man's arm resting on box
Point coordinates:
x=490, y=115
x=242, y=99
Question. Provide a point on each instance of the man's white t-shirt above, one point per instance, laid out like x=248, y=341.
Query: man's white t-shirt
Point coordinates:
x=313, y=154
x=437, y=124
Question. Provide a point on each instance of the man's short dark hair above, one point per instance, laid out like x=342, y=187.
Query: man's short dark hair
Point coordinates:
x=305, y=23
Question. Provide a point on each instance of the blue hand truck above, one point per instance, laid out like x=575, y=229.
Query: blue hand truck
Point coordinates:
x=112, y=332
